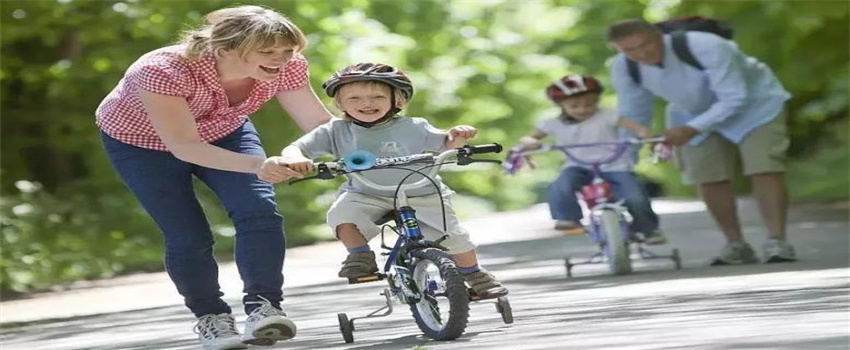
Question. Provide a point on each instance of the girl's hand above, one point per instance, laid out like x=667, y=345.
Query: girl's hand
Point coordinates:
x=644, y=133
x=462, y=132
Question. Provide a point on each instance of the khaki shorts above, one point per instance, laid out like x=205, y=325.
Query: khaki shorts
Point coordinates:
x=363, y=210
x=714, y=160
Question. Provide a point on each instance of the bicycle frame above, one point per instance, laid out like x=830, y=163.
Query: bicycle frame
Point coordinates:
x=407, y=226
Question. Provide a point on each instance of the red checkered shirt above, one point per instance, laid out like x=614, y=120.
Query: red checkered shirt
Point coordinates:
x=122, y=115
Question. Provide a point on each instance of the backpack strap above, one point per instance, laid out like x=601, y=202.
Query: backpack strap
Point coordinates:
x=679, y=41
x=634, y=71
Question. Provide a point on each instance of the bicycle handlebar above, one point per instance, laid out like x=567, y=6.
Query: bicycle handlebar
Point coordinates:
x=360, y=161
x=515, y=157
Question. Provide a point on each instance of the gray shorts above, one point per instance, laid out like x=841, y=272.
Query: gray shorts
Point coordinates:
x=714, y=160
x=363, y=210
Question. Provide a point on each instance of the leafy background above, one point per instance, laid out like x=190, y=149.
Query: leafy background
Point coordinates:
x=66, y=217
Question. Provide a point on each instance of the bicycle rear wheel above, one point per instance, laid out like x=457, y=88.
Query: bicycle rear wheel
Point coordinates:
x=443, y=311
x=616, y=248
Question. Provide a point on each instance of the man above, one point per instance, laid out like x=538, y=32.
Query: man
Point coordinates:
x=734, y=104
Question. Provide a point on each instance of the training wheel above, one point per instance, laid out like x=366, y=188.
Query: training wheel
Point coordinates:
x=676, y=258
x=503, y=306
x=569, y=267
x=346, y=328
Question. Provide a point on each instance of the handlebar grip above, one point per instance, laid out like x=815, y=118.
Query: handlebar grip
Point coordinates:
x=491, y=148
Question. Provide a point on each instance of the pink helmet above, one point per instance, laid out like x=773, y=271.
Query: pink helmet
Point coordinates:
x=572, y=85
x=369, y=72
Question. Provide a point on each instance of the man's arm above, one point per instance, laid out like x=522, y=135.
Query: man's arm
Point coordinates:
x=633, y=101
x=724, y=66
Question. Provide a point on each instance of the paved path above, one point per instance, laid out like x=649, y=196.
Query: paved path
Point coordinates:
x=803, y=305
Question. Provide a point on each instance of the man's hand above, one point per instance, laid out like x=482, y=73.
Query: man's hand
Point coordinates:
x=679, y=135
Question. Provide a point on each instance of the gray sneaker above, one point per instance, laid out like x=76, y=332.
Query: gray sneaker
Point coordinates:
x=776, y=250
x=736, y=253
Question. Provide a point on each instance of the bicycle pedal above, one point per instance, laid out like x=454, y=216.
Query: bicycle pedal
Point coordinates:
x=473, y=296
x=366, y=279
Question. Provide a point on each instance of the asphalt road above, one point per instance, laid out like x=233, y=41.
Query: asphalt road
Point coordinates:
x=802, y=305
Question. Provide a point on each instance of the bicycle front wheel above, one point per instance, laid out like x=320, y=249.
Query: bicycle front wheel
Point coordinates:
x=616, y=248
x=443, y=310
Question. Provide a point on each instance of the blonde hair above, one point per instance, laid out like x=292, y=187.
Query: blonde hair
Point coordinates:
x=241, y=28
x=400, y=101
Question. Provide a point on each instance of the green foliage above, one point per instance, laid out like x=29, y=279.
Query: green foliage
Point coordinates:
x=483, y=63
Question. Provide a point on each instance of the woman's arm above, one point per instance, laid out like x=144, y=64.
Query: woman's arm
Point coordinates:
x=175, y=126
x=304, y=107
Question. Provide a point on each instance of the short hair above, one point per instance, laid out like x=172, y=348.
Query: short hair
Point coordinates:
x=628, y=27
x=244, y=29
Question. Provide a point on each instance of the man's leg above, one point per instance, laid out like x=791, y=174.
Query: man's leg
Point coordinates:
x=720, y=201
x=772, y=198
x=763, y=156
x=711, y=166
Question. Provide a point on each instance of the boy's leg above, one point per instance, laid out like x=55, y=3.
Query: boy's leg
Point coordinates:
x=627, y=187
x=563, y=203
x=458, y=243
x=163, y=185
x=352, y=217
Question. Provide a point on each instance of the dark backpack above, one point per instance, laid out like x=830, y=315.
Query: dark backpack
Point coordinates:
x=677, y=28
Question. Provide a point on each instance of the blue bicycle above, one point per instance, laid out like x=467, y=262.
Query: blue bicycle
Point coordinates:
x=420, y=273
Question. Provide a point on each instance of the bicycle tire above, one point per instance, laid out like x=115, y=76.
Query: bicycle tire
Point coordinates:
x=427, y=315
x=616, y=248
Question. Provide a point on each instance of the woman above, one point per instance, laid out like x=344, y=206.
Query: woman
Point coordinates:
x=181, y=111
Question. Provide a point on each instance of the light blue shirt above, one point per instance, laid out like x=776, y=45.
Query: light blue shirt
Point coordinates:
x=733, y=95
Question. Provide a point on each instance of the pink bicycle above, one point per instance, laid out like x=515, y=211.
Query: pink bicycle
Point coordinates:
x=609, y=218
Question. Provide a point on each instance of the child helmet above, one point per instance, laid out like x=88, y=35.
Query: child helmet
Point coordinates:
x=369, y=72
x=572, y=85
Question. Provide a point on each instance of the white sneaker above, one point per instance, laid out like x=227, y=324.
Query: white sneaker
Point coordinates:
x=778, y=251
x=267, y=325
x=218, y=332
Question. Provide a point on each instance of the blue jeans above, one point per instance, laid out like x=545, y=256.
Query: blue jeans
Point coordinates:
x=563, y=203
x=163, y=185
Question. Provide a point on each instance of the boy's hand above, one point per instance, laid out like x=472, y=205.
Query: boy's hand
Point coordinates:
x=274, y=170
x=461, y=132
x=298, y=163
